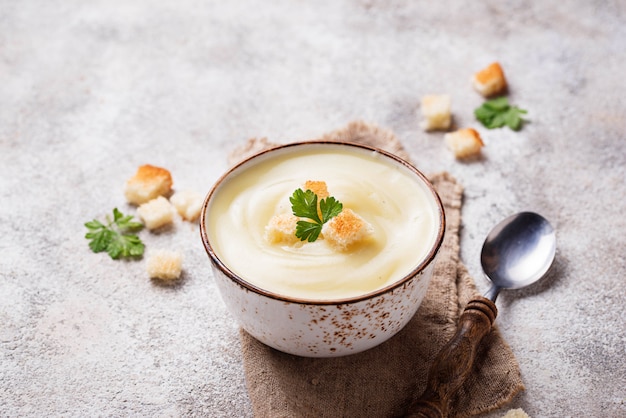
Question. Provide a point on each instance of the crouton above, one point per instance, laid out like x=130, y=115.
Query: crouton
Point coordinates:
x=164, y=264
x=346, y=229
x=148, y=183
x=516, y=413
x=320, y=189
x=436, y=112
x=490, y=80
x=464, y=143
x=282, y=229
x=188, y=204
x=317, y=187
x=156, y=213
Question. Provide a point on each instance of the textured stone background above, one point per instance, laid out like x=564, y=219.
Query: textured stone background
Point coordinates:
x=91, y=90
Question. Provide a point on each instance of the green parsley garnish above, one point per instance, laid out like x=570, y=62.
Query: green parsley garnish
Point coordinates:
x=304, y=205
x=114, y=237
x=496, y=113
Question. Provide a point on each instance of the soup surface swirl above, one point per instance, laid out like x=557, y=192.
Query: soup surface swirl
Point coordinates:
x=390, y=197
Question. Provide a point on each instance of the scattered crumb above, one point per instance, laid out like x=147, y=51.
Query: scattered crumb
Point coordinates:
x=464, y=143
x=188, y=204
x=490, y=80
x=282, y=229
x=516, y=413
x=164, y=264
x=148, y=183
x=156, y=213
x=346, y=229
x=436, y=112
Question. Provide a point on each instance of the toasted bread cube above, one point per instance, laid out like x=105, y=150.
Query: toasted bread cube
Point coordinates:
x=320, y=189
x=317, y=187
x=188, y=204
x=490, y=81
x=516, y=413
x=156, y=213
x=282, y=229
x=164, y=264
x=346, y=229
x=436, y=112
x=464, y=143
x=148, y=183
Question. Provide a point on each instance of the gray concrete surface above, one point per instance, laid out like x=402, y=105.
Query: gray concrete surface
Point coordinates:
x=91, y=90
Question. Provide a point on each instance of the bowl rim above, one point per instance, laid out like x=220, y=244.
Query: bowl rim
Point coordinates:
x=217, y=262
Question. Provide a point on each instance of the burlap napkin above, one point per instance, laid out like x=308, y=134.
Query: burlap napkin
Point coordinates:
x=381, y=382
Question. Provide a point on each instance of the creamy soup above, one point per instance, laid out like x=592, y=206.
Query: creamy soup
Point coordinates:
x=401, y=210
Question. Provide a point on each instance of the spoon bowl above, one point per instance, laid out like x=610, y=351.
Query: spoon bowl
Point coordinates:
x=518, y=252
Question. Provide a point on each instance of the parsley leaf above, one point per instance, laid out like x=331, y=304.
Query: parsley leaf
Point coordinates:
x=500, y=103
x=308, y=231
x=304, y=205
x=330, y=207
x=496, y=113
x=114, y=237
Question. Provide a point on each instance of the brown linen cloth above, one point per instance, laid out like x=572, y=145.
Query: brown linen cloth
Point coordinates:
x=382, y=381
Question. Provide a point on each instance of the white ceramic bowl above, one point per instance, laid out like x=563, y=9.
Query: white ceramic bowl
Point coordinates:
x=323, y=328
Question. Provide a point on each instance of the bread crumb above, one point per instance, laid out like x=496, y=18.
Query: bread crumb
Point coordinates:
x=464, y=143
x=346, y=229
x=156, y=213
x=188, y=204
x=317, y=187
x=436, y=112
x=282, y=229
x=490, y=80
x=148, y=183
x=516, y=413
x=164, y=264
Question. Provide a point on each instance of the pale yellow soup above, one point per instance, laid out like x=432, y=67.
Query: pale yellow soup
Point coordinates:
x=391, y=198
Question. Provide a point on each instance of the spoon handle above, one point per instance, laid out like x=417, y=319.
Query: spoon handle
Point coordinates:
x=455, y=361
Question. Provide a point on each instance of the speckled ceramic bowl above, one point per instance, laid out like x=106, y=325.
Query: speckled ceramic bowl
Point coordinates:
x=323, y=328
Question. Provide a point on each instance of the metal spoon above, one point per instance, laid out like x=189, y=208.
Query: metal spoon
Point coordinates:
x=516, y=253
